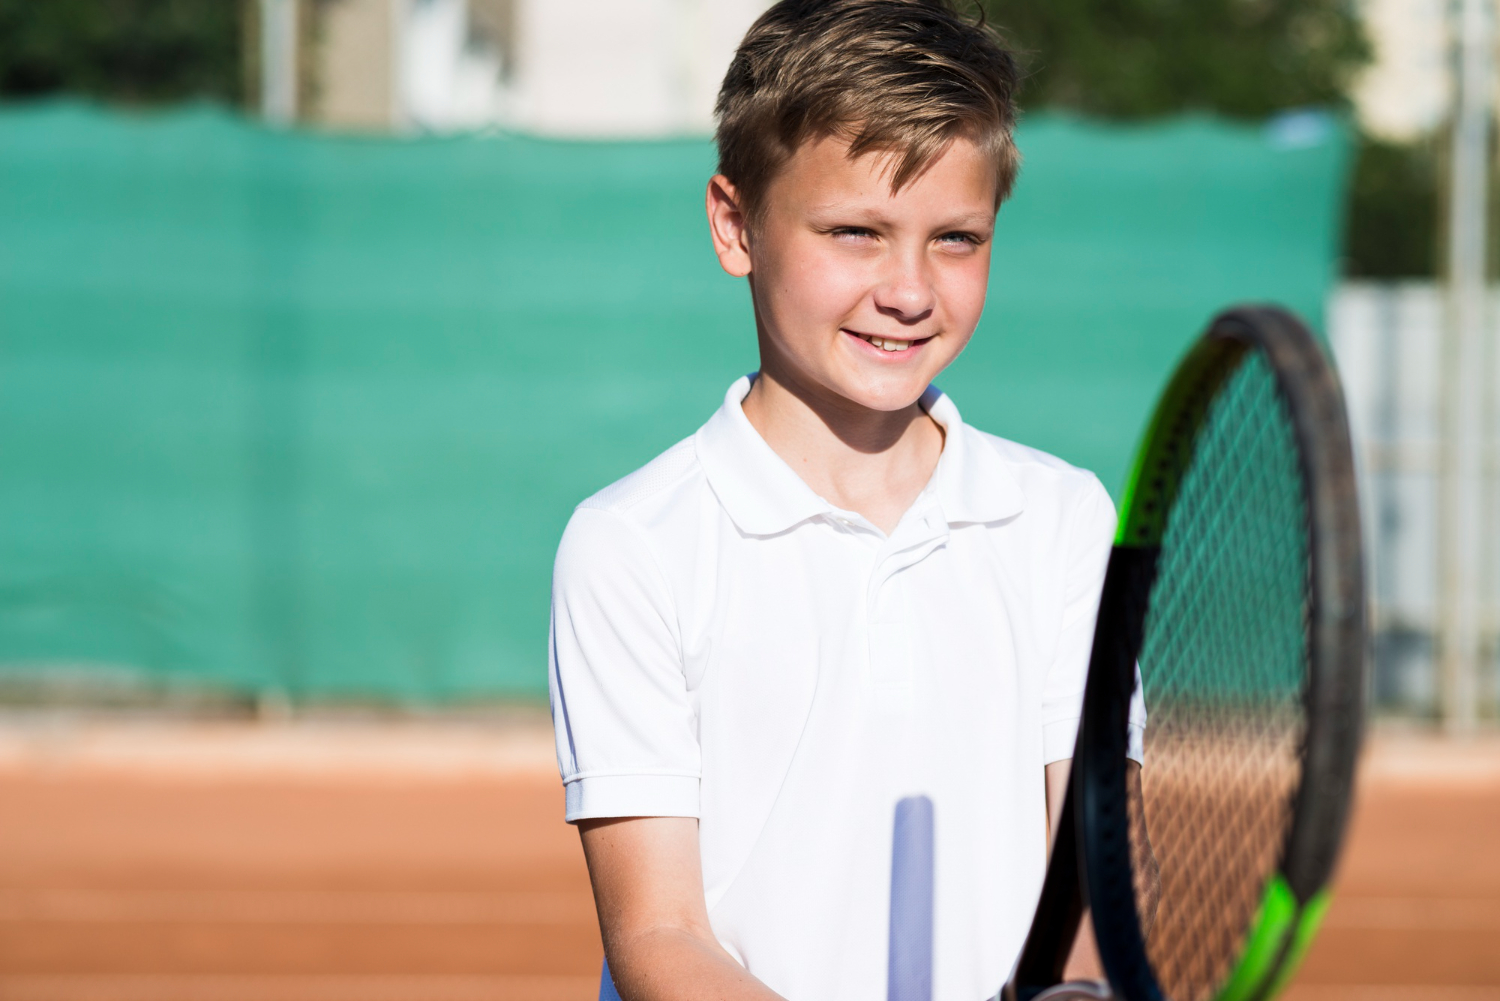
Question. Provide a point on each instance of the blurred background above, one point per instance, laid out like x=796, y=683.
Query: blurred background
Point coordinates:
x=318, y=316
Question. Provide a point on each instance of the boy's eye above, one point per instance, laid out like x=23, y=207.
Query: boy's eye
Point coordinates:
x=853, y=232
x=959, y=239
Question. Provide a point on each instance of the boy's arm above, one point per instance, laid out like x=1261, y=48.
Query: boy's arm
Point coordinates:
x=648, y=888
x=1083, y=963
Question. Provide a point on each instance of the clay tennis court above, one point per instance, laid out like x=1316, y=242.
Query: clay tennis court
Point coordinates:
x=362, y=861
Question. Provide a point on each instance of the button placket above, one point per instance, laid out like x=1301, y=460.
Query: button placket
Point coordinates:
x=887, y=608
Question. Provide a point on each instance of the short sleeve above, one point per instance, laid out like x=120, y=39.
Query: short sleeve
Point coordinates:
x=626, y=741
x=1090, y=539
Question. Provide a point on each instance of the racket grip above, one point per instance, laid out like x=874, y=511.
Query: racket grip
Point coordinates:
x=607, y=990
x=909, y=976
x=1078, y=990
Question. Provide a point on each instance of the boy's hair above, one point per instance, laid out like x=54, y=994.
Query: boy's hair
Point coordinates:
x=903, y=77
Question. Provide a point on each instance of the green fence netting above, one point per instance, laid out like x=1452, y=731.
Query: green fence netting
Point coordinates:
x=308, y=413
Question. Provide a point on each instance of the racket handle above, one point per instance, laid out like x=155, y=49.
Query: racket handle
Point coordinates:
x=1077, y=990
x=607, y=990
x=909, y=977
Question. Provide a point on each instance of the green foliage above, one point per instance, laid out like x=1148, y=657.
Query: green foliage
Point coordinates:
x=132, y=51
x=1393, y=222
x=1128, y=59
x=1133, y=58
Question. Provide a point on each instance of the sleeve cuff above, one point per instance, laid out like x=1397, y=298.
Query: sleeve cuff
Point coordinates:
x=1060, y=737
x=1058, y=740
x=631, y=796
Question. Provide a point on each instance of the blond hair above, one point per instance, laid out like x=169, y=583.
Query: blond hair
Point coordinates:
x=901, y=77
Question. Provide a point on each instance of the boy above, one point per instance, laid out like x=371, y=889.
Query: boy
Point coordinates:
x=836, y=593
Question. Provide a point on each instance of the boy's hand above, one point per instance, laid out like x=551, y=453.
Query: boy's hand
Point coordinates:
x=648, y=888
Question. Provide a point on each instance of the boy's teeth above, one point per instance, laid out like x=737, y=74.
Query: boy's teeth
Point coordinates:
x=885, y=344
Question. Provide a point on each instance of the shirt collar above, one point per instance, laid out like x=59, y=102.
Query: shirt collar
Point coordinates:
x=763, y=496
x=974, y=483
x=758, y=490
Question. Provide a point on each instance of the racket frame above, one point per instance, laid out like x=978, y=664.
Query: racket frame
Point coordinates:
x=1059, y=911
x=1295, y=897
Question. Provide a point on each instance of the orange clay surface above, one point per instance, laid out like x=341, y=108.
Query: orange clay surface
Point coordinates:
x=427, y=863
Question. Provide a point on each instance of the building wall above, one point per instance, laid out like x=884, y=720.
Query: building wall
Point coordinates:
x=605, y=68
x=653, y=67
x=354, y=81
x=1406, y=91
x=624, y=67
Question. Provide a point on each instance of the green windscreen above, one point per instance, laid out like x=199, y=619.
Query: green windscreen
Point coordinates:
x=307, y=412
x=1223, y=663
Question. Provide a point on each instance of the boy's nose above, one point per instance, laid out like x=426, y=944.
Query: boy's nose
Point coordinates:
x=906, y=294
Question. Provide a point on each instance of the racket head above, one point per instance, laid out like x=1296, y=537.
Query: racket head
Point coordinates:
x=909, y=970
x=1237, y=585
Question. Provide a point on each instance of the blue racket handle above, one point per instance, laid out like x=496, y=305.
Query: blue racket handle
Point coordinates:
x=607, y=991
x=910, y=975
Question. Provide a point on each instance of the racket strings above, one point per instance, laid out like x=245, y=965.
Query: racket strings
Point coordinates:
x=1223, y=663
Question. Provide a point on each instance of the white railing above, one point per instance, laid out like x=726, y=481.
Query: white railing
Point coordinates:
x=1388, y=340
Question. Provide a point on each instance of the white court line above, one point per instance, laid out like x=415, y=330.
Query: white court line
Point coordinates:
x=435, y=749
x=219, y=751
x=146, y=987
x=1435, y=913
x=1391, y=992
x=1395, y=757
x=361, y=907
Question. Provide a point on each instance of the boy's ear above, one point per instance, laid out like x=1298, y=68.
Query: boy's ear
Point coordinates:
x=727, y=224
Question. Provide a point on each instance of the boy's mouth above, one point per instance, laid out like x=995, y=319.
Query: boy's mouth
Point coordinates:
x=889, y=344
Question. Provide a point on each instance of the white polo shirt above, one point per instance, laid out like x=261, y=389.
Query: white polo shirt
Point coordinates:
x=727, y=645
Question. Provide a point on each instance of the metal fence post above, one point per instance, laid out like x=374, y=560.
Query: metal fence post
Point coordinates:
x=278, y=61
x=1461, y=491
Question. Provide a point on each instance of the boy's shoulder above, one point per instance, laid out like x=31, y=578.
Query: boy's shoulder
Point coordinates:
x=625, y=529
x=659, y=481
x=1026, y=456
x=1036, y=470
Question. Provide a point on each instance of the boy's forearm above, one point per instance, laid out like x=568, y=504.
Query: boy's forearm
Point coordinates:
x=1083, y=962
x=648, y=888
x=671, y=964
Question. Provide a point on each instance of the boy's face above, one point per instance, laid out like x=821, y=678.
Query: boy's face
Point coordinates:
x=859, y=292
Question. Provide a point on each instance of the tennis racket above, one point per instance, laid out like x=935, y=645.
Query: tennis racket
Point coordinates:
x=1236, y=587
x=909, y=960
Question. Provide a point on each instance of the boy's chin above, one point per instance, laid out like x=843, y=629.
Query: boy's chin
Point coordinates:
x=889, y=393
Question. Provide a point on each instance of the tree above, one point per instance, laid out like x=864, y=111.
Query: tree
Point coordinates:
x=131, y=51
x=1128, y=59
x=1133, y=58
x=1393, y=218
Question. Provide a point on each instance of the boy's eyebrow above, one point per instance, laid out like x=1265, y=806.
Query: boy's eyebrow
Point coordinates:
x=980, y=220
x=873, y=216
x=844, y=208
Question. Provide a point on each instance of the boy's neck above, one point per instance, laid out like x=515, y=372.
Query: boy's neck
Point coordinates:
x=872, y=462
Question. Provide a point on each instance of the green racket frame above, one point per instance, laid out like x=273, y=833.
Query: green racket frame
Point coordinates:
x=1091, y=861
x=1296, y=896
